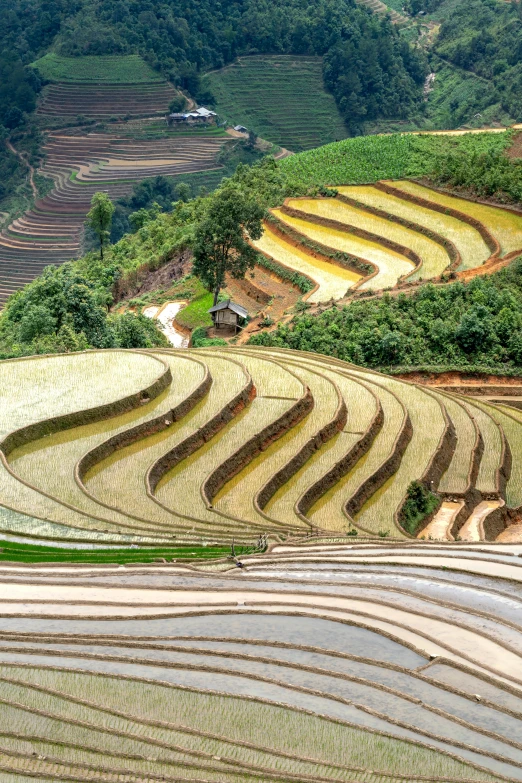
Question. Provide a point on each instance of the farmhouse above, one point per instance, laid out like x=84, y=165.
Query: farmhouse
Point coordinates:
x=240, y=129
x=228, y=314
x=201, y=115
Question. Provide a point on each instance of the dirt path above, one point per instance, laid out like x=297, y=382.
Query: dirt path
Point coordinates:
x=24, y=160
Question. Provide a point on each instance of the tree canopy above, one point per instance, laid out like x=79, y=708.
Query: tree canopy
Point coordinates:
x=63, y=311
x=221, y=238
x=485, y=37
x=99, y=218
x=469, y=326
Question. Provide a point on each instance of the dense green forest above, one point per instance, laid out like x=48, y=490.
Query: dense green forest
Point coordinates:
x=485, y=36
x=183, y=39
x=373, y=73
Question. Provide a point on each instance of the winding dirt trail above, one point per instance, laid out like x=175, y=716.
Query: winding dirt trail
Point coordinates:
x=24, y=160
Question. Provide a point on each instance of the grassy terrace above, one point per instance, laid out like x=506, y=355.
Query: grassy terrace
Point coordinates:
x=127, y=69
x=281, y=98
x=34, y=553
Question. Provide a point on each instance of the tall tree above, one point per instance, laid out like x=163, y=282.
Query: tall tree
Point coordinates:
x=99, y=218
x=222, y=235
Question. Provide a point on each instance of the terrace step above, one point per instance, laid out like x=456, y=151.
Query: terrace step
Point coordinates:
x=439, y=529
x=473, y=527
x=434, y=259
x=50, y=233
x=466, y=239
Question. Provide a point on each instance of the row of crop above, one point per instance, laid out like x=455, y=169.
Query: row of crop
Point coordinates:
x=341, y=258
x=321, y=744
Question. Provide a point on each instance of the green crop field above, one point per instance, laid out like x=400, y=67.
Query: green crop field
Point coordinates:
x=219, y=444
x=281, y=98
x=111, y=69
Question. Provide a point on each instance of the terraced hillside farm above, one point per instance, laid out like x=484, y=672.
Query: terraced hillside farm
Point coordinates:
x=109, y=158
x=81, y=165
x=281, y=98
x=223, y=444
x=101, y=88
x=375, y=237
x=316, y=658
x=315, y=662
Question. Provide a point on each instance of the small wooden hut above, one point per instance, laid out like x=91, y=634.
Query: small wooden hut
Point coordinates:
x=228, y=314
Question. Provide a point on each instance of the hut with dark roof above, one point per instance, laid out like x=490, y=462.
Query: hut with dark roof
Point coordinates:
x=228, y=314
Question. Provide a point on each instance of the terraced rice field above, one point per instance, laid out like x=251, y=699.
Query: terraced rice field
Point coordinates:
x=81, y=165
x=317, y=662
x=333, y=282
x=319, y=657
x=226, y=443
x=503, y=224
x=401, y=231
x=281, y=98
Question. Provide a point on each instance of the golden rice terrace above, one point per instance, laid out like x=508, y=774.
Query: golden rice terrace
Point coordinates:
x=374, y=237
x=225, y=444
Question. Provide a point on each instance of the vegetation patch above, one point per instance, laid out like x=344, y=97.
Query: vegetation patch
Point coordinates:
x=303, y=283
x=115, y=69
x=34, y=553
x=419, y=504
x=196, y=313
x=468, y=326
x=280, y=98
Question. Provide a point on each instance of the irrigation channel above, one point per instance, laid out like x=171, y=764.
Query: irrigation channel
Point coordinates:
x=166, y=318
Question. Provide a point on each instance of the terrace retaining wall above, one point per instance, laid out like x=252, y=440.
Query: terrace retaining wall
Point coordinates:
x=449, y=247
x=362, y=233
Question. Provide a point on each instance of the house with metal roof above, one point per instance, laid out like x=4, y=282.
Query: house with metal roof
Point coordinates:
x=197, y=115
x=228, y=313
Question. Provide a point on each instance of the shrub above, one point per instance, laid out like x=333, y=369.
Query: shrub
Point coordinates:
x=418, y=504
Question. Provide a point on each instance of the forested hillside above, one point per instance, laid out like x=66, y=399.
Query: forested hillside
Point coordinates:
x=182, y=40
x=483, y=37
x=486, y=37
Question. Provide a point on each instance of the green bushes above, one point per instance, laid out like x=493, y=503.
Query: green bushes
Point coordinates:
x=367, y=159
x=200, y=339
x=62, y=311
x=472, y=327
x=418, y=504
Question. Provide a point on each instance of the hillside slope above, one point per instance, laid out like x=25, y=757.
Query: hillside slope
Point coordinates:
x=280, y=98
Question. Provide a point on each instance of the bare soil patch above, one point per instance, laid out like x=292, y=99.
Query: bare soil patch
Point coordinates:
x=148, y=280
x=515, y=150
x=469, y=380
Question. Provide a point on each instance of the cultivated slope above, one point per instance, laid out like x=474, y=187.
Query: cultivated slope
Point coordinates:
x=375, y=237
x=221, y=444
x=313, y=663
x=81, y=165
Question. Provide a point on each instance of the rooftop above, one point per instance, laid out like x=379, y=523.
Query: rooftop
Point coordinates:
x=229, y=305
